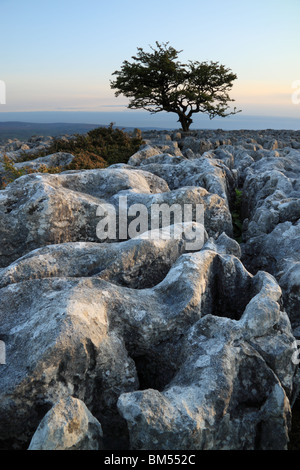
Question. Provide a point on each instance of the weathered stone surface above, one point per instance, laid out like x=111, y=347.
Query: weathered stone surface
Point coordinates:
x=197, y=146
x=58, y=345
x=224, y=245
x=224, y=393
x=145, y=152
x=278, y=252
x=38, y=210
x=217, y=217
x=205, y=172
x=163, y=158
x=157, y=148
x=137, y=263
x=53, y=160
x=271, y=230
x=68, y=426
x=95, y=340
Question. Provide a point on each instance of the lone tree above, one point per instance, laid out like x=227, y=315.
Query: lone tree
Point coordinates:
x=157, y=82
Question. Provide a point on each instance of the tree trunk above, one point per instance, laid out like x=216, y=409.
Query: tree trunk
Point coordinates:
x=185, y=122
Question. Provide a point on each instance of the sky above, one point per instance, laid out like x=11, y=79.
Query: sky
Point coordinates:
x=59, y=55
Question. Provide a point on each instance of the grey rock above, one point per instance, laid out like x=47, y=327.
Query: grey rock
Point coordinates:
x=224, y=393
x=162, y=158
x=54, y=160
x=94, y=340
x=43, y=209
x=208, y=173
x=224, y=245
x=147, y=151
x=278, y=252
x=197, y=145
x=142, y=154
x=68, y=426
x=168, y=347
x=58, y=345
x=271, y=233
x=138, y=263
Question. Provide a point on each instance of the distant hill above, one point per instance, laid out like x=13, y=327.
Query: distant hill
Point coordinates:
x=25, y=130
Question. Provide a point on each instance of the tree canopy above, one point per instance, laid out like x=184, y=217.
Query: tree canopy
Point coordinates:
x=157, y=81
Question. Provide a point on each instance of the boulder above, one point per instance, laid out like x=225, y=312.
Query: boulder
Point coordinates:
x=68, y=426
x=271, y=231
x=95, y=340
x=169, y=345
x=157, y=148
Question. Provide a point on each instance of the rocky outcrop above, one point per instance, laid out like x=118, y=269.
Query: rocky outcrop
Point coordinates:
x=96, y=340
x=42, y=209
x=68, y=426
x=212, y=403
x=265, y=166
x=59, y=159
x=137, y=263
x=36, y=145
x=145, y=342
x=205, y=172
x=157, y=148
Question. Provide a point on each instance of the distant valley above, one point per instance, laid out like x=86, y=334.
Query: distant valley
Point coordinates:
x=24, y=130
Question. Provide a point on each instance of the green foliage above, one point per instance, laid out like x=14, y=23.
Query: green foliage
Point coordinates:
x=99, y=148
x=157, y=82
x=236, y=216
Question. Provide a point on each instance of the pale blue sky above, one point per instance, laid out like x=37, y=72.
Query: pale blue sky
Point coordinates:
x=60, y=54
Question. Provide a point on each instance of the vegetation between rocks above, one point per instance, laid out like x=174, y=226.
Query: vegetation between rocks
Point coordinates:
x=98, y=148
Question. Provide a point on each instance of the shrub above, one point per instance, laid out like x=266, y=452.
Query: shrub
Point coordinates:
x=100, y=147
